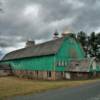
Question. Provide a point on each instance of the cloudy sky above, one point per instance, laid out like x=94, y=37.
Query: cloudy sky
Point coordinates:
x=21, y=20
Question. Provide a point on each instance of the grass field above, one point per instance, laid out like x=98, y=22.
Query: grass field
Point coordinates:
x=11, y=86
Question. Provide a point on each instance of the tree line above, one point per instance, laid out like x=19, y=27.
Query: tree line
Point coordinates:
x=90, y=43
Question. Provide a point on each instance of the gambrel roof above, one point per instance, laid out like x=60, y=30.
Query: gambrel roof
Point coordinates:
x=47, y=48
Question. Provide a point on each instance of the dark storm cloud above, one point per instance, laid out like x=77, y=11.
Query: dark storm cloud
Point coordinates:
x=38, y=19
x=88, y=19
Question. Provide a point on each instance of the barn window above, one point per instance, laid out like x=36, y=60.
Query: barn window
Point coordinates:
x=77, y=64
x=49, y=74
x=59, y=63
x=62, y=63
x=65, y=63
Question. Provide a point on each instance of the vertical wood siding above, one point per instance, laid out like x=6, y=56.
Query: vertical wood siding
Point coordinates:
x=70, y=49
x=33, y=63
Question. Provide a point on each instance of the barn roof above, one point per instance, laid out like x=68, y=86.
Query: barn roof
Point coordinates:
x=47, y=48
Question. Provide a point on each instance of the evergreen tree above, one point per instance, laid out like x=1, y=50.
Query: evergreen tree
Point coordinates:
x=93, y=44
x=98, y=45
x=82, y=38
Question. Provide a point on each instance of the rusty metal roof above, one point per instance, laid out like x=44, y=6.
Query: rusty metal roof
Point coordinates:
x=47, y=48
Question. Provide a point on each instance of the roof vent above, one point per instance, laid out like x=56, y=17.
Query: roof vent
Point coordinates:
x=30, y=43
x=56, y=35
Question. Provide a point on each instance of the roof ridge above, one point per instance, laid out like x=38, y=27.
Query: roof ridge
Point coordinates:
x=45, y=48
x=36, y=45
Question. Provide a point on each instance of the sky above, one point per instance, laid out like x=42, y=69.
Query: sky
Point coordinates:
x=22, y=20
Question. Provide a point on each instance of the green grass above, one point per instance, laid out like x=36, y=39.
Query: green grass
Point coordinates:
x=11, y=86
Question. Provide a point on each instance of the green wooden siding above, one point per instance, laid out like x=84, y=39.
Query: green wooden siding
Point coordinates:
x=34, y=63
x=65, y=54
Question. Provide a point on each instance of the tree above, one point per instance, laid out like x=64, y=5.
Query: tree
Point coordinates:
x=90, y=44
x=73, y=35
x=93, y=43
x=81, y=36
x=98, y=38
x=83, y=39
x=98, y=45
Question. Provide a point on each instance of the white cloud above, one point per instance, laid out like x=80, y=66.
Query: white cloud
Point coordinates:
x=31, y=11
x=97, y=30
x=76, y=4
x=60, y=25
x=9, y=49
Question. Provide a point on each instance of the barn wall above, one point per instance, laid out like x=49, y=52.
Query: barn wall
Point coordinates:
x=42, y=75
x=80, y=75
x=33, y=63
x=5, y=72
x=70, y=49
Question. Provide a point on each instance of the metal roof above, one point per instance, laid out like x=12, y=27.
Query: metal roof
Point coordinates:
x=47, y=48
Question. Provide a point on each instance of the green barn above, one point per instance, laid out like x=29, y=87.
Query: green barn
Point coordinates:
x=61, y=58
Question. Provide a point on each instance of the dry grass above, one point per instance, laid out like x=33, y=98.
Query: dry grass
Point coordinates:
x=11, y=86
